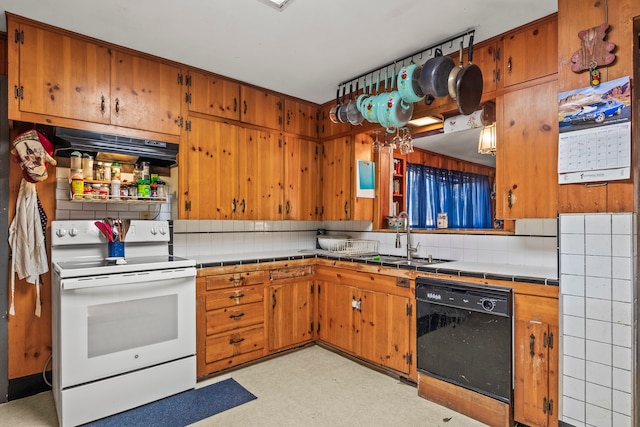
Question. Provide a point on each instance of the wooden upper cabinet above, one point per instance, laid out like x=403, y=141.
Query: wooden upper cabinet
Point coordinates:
x=209, y=94
x=486, y=57
x=530, y=52
x=261, y=175
x=527, y=153
x=260, y=107
x=302, y=179
x=336, y=178
x=57, y=75
x=301, y=118
x=146, y=94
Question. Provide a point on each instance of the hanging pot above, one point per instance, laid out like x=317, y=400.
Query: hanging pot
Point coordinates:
x=333, y=113
x=409, y=83
x=435, y=75
x=453, y=76
x=342, y=110
x=469, y=85
x=353, y=113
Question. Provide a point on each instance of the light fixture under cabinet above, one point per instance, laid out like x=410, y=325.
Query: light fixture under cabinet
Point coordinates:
x=487, y=143
x=425, y=121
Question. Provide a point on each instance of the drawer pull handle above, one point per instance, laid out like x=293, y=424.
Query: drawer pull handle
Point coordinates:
x=238, y=341
x=236, y=296
x=236, y=316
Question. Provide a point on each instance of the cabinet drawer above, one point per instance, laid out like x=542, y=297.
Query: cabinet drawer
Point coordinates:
x=234, y=343
x=226, y=319
x=233, y=297
x=291, y=272
x=234, y=280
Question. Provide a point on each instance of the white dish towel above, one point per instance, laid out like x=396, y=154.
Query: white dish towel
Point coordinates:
x=27, y=242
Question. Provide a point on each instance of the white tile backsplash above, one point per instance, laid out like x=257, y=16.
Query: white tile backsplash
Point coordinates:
x=597, y=224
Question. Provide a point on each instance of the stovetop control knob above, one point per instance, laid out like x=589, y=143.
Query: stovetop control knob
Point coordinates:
x=153, y=231
x=61, y=232
x=163, y=231
x=488, y=305
x=73, y=232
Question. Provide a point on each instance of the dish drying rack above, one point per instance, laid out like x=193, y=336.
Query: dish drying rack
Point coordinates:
x=354, y=246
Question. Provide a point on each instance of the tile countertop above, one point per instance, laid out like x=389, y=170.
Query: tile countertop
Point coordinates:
x=519, y=273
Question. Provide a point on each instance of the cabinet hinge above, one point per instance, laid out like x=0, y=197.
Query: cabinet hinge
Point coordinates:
x=280, y=108
x=279, y=142
x=547, y=406
x=316, y=210
x=409, y=358
x=19, y=92
x=409, y=310
x=180, y=79
x=187, y=125
x=279, y=209
x=312, y=286
x=19, y=36
x=496, y=55
x=188, y=80
x=318, y=331
x=187, y=205
x=280, y=120
x=187, y=97
x=180, y=121
x=548, y=340
x=311, y=329
x=318, y=294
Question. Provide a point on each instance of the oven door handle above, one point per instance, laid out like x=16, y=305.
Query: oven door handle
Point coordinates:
x=130, y=279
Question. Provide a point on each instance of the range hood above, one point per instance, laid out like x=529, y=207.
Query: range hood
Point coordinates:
x=158, y=153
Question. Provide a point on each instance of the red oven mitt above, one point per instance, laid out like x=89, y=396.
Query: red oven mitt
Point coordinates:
x=34, y=152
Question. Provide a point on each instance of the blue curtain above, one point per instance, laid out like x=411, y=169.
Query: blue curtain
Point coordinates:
x=465, y=197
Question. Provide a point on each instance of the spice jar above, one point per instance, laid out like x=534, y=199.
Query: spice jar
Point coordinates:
x=115, y=171
x=104, y=191
x=87, y=166
x=99, y=172
x=75, y=160
x=96, y=190
x=107, y=171
x=124, y=191
x=144, y=189
x=77, y=183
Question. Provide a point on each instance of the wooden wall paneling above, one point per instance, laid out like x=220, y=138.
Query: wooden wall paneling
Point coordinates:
x=29, y=337
x=615, y=196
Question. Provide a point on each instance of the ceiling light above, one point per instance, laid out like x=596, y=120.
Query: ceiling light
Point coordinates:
x=425, y=121
x=487, y=143
x=277, y=4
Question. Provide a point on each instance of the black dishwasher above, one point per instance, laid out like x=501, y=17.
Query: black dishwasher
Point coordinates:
x=464, y=335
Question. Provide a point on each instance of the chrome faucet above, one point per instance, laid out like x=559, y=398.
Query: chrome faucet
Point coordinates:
x=410, y=249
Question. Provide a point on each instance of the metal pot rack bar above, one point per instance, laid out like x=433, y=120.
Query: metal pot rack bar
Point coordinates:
x=420, y=52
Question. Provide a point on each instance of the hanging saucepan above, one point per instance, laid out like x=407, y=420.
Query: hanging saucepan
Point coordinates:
x=409, y=83
x=435, y=75
x=333, y=113
x=353, y=114
x=393, y=111
x=453, y=75
x=362, y=97
x=342, y=111
x=469, y=85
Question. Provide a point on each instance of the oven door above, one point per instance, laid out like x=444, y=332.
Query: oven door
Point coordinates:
x=112, y=324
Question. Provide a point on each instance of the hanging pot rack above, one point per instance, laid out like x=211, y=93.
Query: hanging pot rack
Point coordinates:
x=382, y=68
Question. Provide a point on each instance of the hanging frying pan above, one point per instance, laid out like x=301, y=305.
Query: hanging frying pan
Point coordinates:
x=453, y=75
x=469, y=85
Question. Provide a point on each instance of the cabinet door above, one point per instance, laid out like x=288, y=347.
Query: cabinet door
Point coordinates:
x=486, y=58
x=336, y=314
x=302, y=179
x=146, y=94
x=336, y=179
x=212, y=173
x=382, y=329
x=290, y=314
x=527, y=153
x=530, y=53
x=261, y=108
x=58, y=75
x=300, y=118
x=209, y=94
x=261, y=175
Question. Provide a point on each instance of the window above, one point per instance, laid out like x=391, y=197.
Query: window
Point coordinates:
x=465, y=197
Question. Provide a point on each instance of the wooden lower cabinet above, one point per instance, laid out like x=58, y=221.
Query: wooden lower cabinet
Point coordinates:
x=290, y=313
x=536, y=360
x=371, y=324
x=230, y=320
